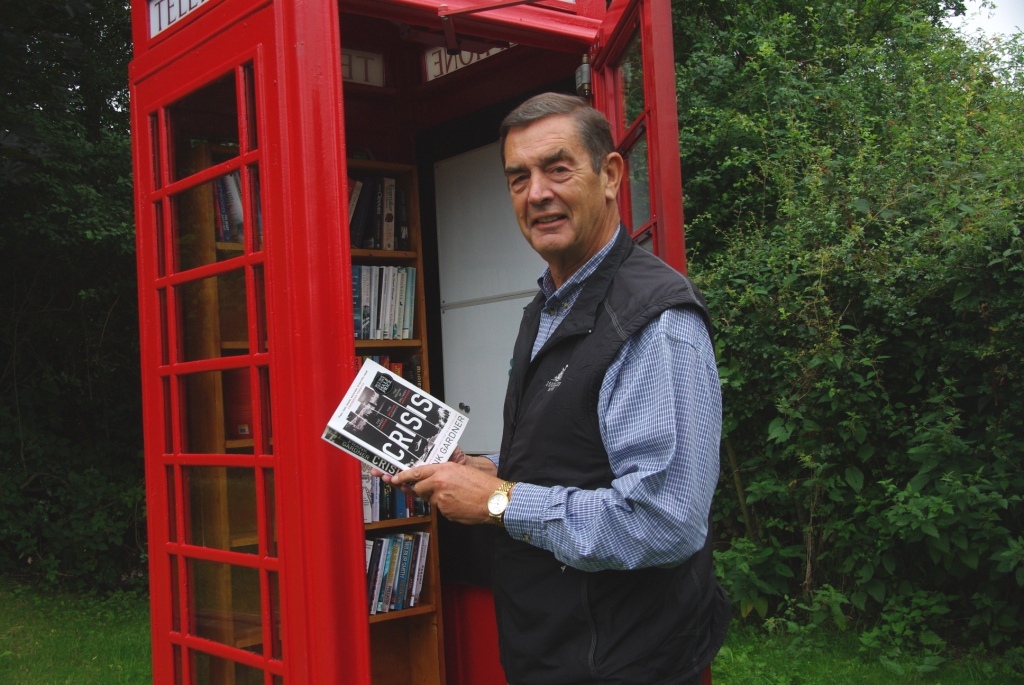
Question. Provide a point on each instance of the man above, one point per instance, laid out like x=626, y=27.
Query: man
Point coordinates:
x=609, y=457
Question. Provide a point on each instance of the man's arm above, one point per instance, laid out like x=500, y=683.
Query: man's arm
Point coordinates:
x=660, y=414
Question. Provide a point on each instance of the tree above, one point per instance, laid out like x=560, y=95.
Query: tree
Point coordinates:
x=70, y=442
x=853, y=173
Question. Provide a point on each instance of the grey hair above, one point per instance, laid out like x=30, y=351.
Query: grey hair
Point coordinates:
x=593, y=129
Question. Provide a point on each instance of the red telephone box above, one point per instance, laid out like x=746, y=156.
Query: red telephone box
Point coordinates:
x=249, y=117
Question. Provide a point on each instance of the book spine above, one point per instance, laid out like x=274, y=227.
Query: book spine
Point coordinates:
x=364, y=300
x=410, y=303
x=355, y=188
x=388, y=225
x=221, y=198
x=374, y=299
x=402, y=583
x=421, y=567
x=357, y=304
x=373, y=573
x=382, y=572
x=393, y=564
x=402, y=239
x=236, y=214
x=378, y=216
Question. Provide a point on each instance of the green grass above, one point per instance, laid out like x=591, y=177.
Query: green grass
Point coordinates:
x=49, y=638
x=830, y=658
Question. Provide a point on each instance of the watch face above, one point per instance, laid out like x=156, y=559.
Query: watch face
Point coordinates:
x=496, y=503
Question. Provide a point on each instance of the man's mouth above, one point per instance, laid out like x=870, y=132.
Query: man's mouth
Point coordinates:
x=544, y=220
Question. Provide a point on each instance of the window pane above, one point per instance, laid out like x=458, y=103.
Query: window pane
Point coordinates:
x=214, y=317
x=204, y=120
x=213, y=670
x=639, y=183
x=208, y=221
x=222, y=507
x=226, y=605
x=631, y=73
x=205, y=397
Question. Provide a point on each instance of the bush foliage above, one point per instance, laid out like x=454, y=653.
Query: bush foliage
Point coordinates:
x=854, y=177
x=71, y=494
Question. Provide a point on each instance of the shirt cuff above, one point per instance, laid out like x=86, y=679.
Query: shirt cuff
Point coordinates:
x=523, y=517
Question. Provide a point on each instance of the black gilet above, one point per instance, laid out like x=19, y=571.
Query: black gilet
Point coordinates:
x=559, y=625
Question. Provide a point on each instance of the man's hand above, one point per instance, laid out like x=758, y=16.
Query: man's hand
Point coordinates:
x=458, y=490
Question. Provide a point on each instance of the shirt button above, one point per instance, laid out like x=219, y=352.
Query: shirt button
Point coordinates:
x=526, y=538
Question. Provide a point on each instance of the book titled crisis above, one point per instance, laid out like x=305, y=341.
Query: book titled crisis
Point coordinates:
x=389, y=423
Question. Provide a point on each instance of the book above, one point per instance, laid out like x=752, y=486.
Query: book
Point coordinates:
x=359, y=233
x=420, y=568
x=398, y=601
x=376, y=223
x=410, y=303
x=364, y=301
x=373, y=572
x=402, y=238
x=367, y=487
x=389, y=420
x=357, y=305
x=355, y=188
x=395, y=551
x=380, y=582
x=388, y=220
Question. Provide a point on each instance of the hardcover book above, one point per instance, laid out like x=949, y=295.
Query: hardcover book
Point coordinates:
x=387, y=422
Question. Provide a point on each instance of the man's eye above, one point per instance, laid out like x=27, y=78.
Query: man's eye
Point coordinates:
x=517, y=182
x=559, y=171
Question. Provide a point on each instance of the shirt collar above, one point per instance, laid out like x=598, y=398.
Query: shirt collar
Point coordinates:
x=574, y=282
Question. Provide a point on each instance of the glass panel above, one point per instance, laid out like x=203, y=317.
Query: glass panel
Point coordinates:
x=646, y=241
x=214, y=320
x=261, y=309
x=257, y=203
x=209, y=400
x=209, y=219
x=226, y=605
x=161, y=238
x=172, y=519
x=278, y=680
x=175, y=596
x=222, y=507
x=177, y=665
x=275, y=613
x=631, y=74
x=168, y=423
x=266, y=421
x=639, y=183
x=250, y=107
x=271, y=506
x=204, y=119
x=213, y=670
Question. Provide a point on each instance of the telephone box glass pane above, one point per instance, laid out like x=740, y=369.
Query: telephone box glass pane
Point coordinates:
x=631, y=72
x=172, y=516
x=213, y=670
x=257, y=205
x=252, y=131
x=226, y=605
x=639, y=183
x=216, y=413
x=222, y=507
x=175, y=595
x=208, y=221
x=271, y=509
x=266, y=417
x=204, y=127
x=214, y=318
x=275, y=612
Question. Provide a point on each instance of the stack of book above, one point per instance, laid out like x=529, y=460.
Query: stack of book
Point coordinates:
x=383, y=302
x=228, y=214
x=395, y=565
x=384, y=502
x=378, y=213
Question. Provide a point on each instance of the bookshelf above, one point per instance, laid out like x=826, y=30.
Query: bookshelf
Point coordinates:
x=407, y=645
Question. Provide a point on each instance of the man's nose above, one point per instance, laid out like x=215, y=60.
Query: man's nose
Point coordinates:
x=539, y=190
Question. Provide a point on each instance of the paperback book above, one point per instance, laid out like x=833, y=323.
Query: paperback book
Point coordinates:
x=387, y=422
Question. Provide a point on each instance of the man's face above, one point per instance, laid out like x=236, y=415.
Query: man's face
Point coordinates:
x=566, y=211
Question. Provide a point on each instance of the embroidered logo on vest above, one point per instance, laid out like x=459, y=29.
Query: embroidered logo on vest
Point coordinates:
x=557, y=380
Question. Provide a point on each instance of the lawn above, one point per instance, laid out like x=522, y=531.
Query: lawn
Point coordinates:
x=59, y=639
x=51, y=638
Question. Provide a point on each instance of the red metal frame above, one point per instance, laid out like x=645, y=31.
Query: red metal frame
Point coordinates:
x=659, y=120
x=302, y=164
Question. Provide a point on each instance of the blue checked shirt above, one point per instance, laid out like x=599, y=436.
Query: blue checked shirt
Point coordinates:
x=662, y=442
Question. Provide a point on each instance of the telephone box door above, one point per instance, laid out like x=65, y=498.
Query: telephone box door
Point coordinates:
x=634, y=85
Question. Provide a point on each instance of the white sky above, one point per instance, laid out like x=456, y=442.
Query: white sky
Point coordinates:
x=1005, y=18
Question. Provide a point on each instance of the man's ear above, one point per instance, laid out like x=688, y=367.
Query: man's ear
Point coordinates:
x=612, y=171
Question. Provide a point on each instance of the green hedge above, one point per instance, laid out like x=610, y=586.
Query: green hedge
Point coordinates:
x=854, y=185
